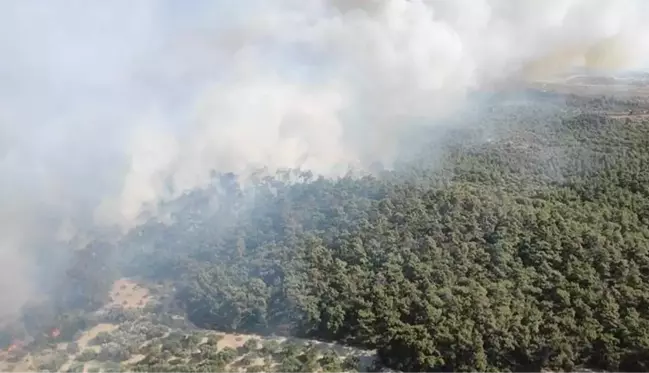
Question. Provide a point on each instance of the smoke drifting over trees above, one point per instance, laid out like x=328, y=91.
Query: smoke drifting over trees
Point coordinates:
x=108, y=108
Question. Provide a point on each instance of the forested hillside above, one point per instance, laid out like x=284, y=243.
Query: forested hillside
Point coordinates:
x=521, y=250
x=519, y=241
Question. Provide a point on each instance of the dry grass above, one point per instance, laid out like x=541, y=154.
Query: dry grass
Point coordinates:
x=90, y=334
x=127, y=293
x=26, y=364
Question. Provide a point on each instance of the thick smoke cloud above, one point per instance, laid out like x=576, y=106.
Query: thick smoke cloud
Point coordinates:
x=107, y=106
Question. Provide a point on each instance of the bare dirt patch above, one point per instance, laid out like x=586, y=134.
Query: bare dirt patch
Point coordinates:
x=90, y=334
x=627, y=116
x=127, y=293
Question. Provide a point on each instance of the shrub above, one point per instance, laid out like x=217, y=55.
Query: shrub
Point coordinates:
x=351, y=363
x=271, y=347
x=255, y=369
x=53, y=364
x=87, y=355
x=227, y=355
x=101, y=338
x=76, y=368
x=213, y=339
x=250, y=345
x=72, y=348
x=113, y=352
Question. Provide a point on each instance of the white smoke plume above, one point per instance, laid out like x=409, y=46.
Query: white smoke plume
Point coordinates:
x=108, y=105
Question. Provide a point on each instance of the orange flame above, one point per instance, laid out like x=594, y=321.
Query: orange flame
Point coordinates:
x=14, y=346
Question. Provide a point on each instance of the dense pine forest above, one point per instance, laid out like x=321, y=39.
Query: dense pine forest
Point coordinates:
x=517, y=241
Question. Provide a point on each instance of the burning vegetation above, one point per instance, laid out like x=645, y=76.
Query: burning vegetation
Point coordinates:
x=485, y=228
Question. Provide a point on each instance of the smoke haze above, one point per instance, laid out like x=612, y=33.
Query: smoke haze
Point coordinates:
x=107, y=106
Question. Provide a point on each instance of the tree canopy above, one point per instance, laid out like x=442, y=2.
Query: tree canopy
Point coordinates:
x=520, y=243
x=524, y=252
